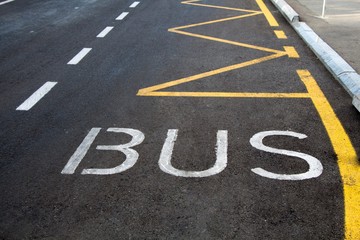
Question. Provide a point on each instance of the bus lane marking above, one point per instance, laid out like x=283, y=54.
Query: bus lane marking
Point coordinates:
x=347, y=159
x=165, y=165
x=288, y=51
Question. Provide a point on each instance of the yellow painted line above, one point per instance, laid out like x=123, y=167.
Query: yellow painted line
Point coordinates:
x=280, y=34
x=347, y=159
x=215, y=6
x=245, y=45
x=208, y=74
x=254, y=13
x=269, y=17
x=216, y=21
x=225, y=94
x=291, y=52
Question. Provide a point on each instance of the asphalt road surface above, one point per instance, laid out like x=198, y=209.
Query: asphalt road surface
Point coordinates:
x=170, y=120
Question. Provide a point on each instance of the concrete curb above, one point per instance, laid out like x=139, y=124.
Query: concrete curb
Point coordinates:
x=287, y=11
x=337, y=66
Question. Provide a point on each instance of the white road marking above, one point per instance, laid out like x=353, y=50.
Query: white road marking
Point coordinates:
x=5, y=2
x=315, y=166
x=122, y=16
x=168, y=147
x=36, y=96
x=75, y=60
x=104, y=32
x=134, y=4
x=131, y=155
x=80, y=152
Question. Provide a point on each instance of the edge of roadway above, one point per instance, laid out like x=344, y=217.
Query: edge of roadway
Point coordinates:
x=336, y=65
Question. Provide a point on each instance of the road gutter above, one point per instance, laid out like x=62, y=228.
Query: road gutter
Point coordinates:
x=336, y=65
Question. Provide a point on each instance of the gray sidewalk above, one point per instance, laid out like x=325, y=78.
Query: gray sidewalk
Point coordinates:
x=333, y=35
x=340, y=28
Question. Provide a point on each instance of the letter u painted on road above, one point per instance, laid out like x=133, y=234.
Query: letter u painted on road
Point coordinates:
x=221, y=156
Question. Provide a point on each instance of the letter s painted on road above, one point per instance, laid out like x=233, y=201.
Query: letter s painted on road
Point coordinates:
x=315, y=166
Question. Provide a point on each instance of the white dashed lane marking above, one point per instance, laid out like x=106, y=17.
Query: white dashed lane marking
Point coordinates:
x=5, y=2
x=36, y=96
x=134, y=4
x=104, y=32
x=43, y=90
x=75, y=60
x=122, y=16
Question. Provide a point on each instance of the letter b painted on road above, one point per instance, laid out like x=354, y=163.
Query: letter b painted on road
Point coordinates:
x=131, y=155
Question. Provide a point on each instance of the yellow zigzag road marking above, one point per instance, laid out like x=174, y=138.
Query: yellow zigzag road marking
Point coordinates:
x=215, y=21
x=280, y=34
x=269, y=17
x=153, y=90
x=288, y=50
x=191, y=2
x=227, y=41
x=229, y=94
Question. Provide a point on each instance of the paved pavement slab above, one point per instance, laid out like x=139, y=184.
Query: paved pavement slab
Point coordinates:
x=340, y=27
